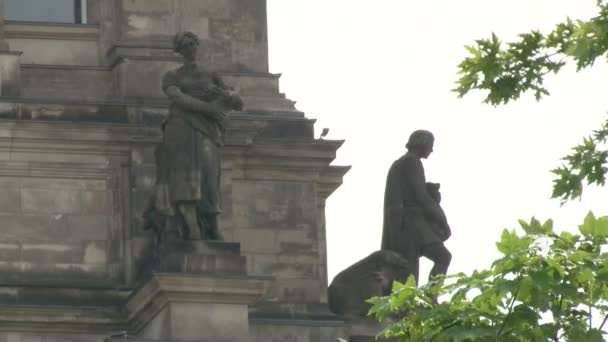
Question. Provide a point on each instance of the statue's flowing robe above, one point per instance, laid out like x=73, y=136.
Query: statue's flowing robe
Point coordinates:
x=189, y=157
x=410, y=213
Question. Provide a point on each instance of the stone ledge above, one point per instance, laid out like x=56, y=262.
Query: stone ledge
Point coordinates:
x=41, y=30
x=337, y=322
x=59, y=319
x=70, y=131
x=88, y=295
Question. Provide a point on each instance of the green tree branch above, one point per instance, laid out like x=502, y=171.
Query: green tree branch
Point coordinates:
x=504, y=72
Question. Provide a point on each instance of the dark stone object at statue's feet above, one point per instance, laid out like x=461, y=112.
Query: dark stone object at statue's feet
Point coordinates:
x=371, y=276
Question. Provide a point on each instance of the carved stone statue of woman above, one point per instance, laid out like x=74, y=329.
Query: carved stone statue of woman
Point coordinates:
x=188, y=160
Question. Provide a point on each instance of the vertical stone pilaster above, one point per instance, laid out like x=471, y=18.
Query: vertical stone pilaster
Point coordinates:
x=10, y=74
x=3, y=43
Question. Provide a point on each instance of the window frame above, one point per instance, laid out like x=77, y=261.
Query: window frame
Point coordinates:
x=81, y=15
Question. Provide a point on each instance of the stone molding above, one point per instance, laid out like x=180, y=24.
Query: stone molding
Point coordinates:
x=313, y=322
x=56, y=319
x=114, y=134
x=59, y=31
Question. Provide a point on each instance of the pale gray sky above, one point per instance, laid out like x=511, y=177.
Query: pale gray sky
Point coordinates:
x=374, y=71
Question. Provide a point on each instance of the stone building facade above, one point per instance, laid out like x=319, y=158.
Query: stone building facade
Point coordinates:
x=80, y=111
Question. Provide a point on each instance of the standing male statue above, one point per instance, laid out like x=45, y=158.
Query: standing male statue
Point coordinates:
x=414, y=223
x=188, y=159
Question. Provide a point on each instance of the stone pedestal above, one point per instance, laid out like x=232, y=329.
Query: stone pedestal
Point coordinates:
x=199, y=292
x=201, y=257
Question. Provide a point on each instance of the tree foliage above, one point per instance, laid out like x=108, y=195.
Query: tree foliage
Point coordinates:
x=547, y=286
x=506, y=71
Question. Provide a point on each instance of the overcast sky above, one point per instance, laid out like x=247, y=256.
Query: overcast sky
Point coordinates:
x=374, y=71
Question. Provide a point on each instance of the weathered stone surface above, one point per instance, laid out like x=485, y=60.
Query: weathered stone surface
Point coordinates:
x=297, y=331
x=277, y=205
x=11, y=73
x=61, y=217
x=203, y=257
x=43, y=201
x=371, y=276
x=10, y=201
x=67, y=82
x=48, y=51
x=32, y=337
x=188, y=307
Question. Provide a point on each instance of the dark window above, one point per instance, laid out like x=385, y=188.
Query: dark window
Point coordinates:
x=54, y=11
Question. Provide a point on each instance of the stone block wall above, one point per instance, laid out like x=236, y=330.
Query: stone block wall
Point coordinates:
x=49, y=337
x=66, y=82
x=275, y=222
x=57, y=229
x=65, y=200
x=232, y=32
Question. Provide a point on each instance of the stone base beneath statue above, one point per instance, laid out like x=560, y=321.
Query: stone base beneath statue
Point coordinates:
x=197, y=291
x=201, y=257
x=187, y=307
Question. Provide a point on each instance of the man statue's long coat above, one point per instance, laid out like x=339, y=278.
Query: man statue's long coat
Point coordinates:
x=409, y=211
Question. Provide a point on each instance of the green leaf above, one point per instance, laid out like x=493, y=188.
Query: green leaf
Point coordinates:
x=585, y=275
x=556, y=266
x=594, y=227
x=594, y=335
x=511, y=243
x=461, y=333
x=535, y=227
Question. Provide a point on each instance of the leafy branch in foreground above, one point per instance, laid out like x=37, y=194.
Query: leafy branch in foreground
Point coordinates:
x=545, y=287
x=506, y=71
x=586, y=162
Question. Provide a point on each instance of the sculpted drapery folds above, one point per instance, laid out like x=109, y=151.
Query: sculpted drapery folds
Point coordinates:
x=414, y=222
x=188, y=159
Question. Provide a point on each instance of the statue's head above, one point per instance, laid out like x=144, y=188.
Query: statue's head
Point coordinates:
x=421, y=143
x=186, y=44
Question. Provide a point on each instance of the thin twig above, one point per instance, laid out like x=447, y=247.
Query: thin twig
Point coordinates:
x=504, y=323
x=603, y=322
x=557, y=321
